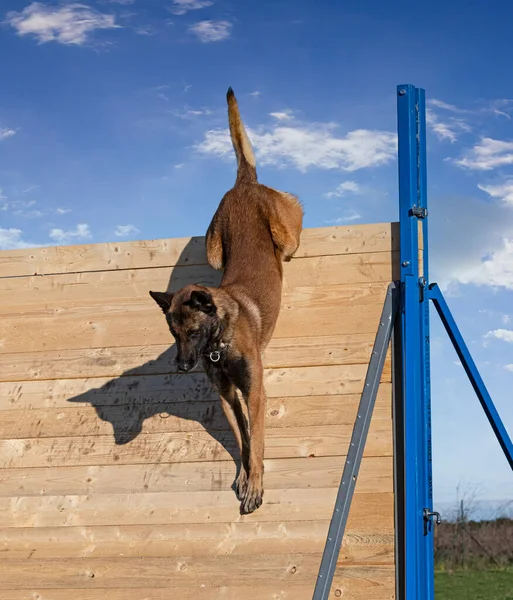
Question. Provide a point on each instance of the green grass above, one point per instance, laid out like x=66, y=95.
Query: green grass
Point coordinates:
x=474, y=585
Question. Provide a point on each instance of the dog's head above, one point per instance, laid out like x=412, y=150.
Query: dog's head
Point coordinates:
x=192, y=317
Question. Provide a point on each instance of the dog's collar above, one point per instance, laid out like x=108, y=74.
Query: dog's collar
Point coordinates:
x=215, y=353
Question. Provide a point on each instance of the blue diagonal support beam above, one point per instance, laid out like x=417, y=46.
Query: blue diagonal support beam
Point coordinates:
x=469, y=365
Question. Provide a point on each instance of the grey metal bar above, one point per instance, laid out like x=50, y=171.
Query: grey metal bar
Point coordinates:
x=356, y=446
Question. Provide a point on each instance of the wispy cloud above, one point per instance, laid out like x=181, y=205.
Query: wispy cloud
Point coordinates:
x=487, y=154
x=447, y=129
x=79, y=234
x=180, y=7
x=125, y=230
x=508, y=368
x=343, y=189
x=308, y=145
x=285, y=115
x=494, y=270
x=502, y=191
x=6, y=133
x=255, y=94
x=348, y=217
x=62, y=211
x=190, y=113
x=67, y=24
x=506, y=335
x=446, y=106
x=211, y=31
x=12, y=239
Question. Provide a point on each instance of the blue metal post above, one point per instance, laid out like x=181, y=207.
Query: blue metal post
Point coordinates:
x=418, y=543
x=472, y=372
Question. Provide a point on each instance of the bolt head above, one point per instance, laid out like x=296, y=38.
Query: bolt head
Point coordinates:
x=406, y=263
x=402, y=92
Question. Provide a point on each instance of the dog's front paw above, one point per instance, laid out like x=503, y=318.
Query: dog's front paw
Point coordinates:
x=241, y=484
x=253, y=498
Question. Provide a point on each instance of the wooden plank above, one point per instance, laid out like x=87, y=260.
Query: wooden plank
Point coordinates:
x=148, y=360
x=167, y=417
x=290, y=473
x=379, y=237
x=167, y=572
x=350, y=583
x=50, y=295
x=370, y=512
x=195, y=446
x=205, y=539
x=159, y=389
x=319, y=310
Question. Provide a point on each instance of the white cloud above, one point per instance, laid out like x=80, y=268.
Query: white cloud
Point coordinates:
x=445, y=106
x=447, y=129
x=191, y=113
x=506, y=335
x=351, y=215
x=6, y=133
x=309, y=145
x=211, y=31
x=67, y=24
x=487, y=154
x=62, y=211
x=503, y=191
x=343, y=189
x=494, y=269
x=471, y=242
x=285, y=115
x=255, y=94
x=11, y=239
x=81, y=233
x=125, y=230
x=180, y=7
x=508, y=368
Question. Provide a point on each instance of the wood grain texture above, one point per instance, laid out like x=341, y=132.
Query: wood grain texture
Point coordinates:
x=371, y=512
x=153, y=360
x=205, y=539
x=159, y=389
x=183, y=447
x=334, y=309
x=350, y=583
x=85, y=420
x=116, y=473
x=22, y=295
x=287, y=473
x=289, y=569
x=357, y=239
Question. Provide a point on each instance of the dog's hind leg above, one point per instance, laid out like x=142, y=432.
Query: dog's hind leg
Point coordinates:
x=214, y=245
x=285, y=222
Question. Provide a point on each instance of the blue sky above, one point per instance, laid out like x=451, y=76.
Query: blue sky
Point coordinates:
x=113, y=126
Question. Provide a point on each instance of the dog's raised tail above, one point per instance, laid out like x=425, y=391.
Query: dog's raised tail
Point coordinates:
x=246, y=164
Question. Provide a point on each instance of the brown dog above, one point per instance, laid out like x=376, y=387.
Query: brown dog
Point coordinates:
x=254, y=229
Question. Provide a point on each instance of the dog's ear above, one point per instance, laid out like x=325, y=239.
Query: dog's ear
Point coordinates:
x=163, y=299
x=202, y=301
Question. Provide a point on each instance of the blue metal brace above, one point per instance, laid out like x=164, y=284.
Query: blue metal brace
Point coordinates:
x=469, y=365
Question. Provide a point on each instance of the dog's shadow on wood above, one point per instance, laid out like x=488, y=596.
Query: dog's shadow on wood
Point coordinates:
x=154, y=388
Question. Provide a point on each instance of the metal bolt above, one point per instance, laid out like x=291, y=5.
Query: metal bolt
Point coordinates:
x=406, y=263
x=402, y=92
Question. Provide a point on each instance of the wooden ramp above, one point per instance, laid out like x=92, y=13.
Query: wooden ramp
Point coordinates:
x=116, y=473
